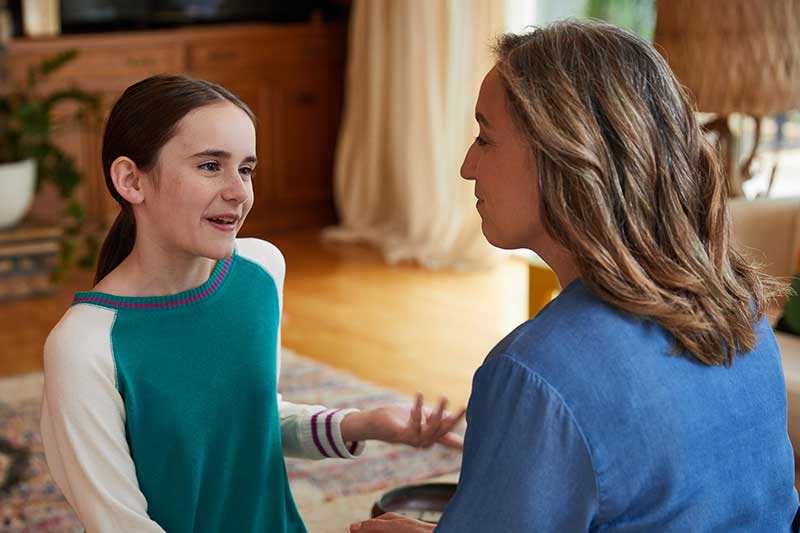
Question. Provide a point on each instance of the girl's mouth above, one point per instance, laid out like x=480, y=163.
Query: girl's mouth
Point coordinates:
x=223, y=224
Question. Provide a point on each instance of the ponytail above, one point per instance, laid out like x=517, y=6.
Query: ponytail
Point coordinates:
x=118, y=244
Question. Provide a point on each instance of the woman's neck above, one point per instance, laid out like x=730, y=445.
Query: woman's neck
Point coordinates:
x=560, y=260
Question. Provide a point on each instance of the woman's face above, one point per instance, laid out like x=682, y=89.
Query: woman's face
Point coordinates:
x=500, y=163
x=204, y=189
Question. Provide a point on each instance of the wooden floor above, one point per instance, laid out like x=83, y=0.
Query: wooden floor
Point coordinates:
x=398, y=326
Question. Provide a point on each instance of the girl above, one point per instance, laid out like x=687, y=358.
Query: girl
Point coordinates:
x=161, y=409
x=649, y=395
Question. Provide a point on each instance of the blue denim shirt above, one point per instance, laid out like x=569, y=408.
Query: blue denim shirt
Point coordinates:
x=582, y=419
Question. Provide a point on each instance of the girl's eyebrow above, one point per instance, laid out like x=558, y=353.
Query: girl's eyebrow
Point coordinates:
x=222, y=154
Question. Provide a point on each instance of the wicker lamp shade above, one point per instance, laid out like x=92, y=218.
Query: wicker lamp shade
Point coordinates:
x=738, y=56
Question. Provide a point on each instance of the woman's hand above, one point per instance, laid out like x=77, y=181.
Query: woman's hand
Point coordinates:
x=392, y=523
x=416, y=426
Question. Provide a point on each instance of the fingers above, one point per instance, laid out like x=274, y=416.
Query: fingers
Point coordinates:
x=390, y=516
x=456, y=419
x=452, y=421
x=433, y=424
x=442, y=408
x=415, y=420
x=427, y=427
x=370, y=526
x=381, y=523
x=455, y=441
x=452, y=440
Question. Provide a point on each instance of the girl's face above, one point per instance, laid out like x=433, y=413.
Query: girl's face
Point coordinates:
x=500, y=163
x=204, y=186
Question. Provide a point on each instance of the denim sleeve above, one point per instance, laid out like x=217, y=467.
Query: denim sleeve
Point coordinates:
x=526, y=465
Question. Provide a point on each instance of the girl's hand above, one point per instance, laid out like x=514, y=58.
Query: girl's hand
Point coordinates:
x=416, y=426
x=392, y=523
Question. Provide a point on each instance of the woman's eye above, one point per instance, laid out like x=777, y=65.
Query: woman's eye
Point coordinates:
x=247, y=171
x=480, y=141
x=211, y=166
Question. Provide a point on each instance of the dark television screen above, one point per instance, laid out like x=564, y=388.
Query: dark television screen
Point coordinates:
x=107, y=15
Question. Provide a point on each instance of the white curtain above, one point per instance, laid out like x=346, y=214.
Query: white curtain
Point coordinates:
x=414, y=70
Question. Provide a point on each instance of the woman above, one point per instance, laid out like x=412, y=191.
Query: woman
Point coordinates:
x=161, y=410
x=649, y=395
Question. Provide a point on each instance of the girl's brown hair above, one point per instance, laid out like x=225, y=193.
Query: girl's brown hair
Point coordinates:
x=629, y=185
x=141, y=122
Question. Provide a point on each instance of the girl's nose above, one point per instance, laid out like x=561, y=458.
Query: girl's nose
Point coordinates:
x=235, y=189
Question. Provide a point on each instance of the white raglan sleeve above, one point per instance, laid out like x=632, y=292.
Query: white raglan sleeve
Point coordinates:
x=83, y=425
x=307, y=431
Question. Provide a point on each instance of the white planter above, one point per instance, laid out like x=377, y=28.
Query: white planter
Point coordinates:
x=17, y=185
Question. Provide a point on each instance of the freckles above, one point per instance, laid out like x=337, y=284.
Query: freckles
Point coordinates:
x=174, y=183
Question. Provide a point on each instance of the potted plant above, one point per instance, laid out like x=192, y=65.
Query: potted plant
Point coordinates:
x=29, y=157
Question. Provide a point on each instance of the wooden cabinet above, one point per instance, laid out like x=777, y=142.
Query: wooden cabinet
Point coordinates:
x=291, y=76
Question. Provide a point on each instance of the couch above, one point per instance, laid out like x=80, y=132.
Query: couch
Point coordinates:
x=769, y=231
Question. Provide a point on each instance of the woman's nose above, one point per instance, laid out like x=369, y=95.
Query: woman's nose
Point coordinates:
x=467, y=166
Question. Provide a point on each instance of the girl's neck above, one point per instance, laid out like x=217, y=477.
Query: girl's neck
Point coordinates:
x=151, y=270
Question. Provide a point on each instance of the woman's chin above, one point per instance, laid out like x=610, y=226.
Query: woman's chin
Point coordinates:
x=493, y=238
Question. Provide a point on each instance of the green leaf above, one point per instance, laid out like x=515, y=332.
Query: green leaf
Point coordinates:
x=86, y=262
x=57, y=167
x=34, y=120
x=75, y=210
x=72, y=94
x=48, y=66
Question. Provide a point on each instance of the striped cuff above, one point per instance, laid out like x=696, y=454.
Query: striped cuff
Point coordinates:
x=324, y=434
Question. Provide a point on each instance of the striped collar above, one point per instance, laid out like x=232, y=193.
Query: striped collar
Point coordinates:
x=218, y=276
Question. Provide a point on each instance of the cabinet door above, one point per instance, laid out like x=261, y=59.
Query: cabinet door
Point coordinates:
x=101, y=61
x=306, y=112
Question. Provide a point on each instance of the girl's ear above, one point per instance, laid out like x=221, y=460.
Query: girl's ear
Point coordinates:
x=127, y=179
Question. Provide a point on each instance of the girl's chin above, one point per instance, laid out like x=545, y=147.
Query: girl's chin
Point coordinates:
x=220, y=250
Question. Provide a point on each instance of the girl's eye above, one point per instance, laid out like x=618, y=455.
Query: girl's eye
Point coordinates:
x=480, y=141
x=247, y=171
x=211, y=166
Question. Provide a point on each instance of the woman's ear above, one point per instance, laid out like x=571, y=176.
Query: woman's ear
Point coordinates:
x=127, y=179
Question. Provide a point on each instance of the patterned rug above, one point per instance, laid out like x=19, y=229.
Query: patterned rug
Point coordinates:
x=32, y=503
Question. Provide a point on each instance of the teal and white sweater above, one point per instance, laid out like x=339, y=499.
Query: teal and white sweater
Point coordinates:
x=162, y=413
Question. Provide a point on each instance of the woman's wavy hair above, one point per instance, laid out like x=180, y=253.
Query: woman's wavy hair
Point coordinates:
x=629, y=185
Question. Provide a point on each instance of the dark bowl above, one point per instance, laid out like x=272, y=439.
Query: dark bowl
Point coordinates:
x=424, y=502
